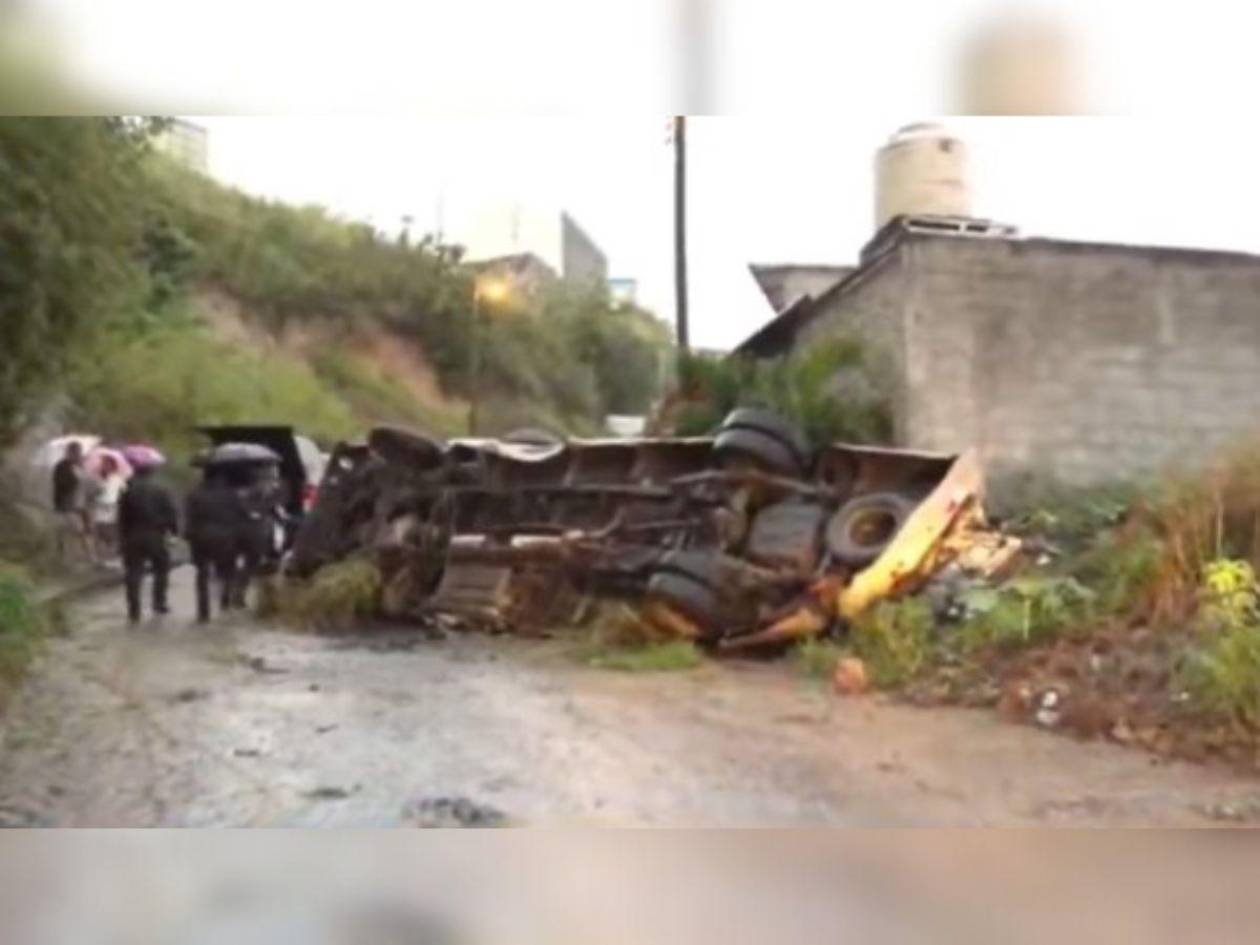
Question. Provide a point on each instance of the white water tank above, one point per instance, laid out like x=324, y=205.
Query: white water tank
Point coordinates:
x=922, y=170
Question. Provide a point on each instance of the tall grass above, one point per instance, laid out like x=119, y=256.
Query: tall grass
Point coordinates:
x=23, y=622
x=895, y=639
x=1184, y=525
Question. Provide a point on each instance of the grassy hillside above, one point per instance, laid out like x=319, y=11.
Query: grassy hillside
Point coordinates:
x=108, y=251
x=566, y=357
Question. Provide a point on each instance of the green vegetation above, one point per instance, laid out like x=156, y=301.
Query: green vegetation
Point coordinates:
x=1120, y=569
x=22, y=539
x=895, y=639
x=1069, y=517
x=1158, y=583
x=372, y=394
x=833, y=389
x=650, y=658
x=816, y=658
x=568, y=353
x=156, y=386
x=338, y=598
x=23, y=622
x=1222, y=674
x=1024, y=612
x=69, y=235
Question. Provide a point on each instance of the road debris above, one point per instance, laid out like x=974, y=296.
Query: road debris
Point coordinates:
x=260, y=665
x=745, y=539
x=331, y=793
x=850, y=677
x=20, y=818
x=441, y=812
x=188, y=695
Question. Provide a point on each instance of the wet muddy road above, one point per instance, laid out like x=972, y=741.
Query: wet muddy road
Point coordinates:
x=244, y=725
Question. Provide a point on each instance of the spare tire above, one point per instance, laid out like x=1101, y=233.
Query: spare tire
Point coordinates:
x=765, y=451
x=770, y=423
x=689, y=597
x=863, y=527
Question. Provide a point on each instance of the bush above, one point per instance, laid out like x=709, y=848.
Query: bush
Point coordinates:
x=831, y=389
x=1070, y=517
x=1025, y=612
x=336, y=598
x=25, y=538
x=1122, y=568
x=1222, y=676
x=895, y=640
x=23, y=622
x=816, y=658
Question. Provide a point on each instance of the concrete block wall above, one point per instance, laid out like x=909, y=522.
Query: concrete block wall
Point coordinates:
x=1080, y=362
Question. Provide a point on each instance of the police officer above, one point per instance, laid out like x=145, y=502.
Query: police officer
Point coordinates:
x=213, y=521
x=259, y=496
x=146, y=518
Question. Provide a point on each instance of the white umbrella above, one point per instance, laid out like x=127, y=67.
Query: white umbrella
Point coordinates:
x=54, y=450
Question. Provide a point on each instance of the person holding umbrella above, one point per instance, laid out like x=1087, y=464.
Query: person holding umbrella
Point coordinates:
x=146, y=519
x=224, y=521
x=111, y=481
x=213, y=518
x=70, y=502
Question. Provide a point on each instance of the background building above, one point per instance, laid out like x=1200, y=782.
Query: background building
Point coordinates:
x=1075, y=361
x=188, y=143
x=623, y=291
x=524, y=272
x=552, y=236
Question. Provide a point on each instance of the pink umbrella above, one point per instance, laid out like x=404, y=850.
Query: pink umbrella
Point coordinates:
x=140, y=454
x=94, y=462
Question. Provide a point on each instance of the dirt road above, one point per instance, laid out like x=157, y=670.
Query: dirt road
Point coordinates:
x=244, y=725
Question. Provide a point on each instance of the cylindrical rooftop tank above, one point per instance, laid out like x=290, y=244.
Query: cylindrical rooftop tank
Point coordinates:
x=921, y=170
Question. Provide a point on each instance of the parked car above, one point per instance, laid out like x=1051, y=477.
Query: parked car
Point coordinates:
x=296, y=477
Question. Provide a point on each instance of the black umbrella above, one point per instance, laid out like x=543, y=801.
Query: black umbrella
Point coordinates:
x=227, y=454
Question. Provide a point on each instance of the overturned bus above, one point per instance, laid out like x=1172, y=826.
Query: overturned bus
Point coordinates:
x=747, y=537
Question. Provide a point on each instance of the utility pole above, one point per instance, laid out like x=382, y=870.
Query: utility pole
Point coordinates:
x=680, y=231
x=474, y=362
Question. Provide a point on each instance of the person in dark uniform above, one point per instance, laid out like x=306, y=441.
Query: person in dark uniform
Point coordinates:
x=146, y=518
x=214, y=518
x=258, y=497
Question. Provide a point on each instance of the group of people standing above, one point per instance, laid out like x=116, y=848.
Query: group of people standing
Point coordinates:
x=224, y=523
x=87, y=505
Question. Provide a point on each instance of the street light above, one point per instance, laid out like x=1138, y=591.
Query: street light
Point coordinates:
x=492, y=291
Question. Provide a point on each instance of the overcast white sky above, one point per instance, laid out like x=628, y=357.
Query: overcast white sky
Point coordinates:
x=813, y=89
x=789, y=189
